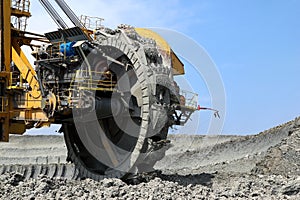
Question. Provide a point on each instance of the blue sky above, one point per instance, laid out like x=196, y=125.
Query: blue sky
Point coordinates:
x=254, y=44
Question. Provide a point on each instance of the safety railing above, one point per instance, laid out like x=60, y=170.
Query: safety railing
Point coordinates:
x=22, y=5
x=92, y=80
x=188, y=99
x=91, y=23
x=19, y=21
x=53, y=51
x=16, y=81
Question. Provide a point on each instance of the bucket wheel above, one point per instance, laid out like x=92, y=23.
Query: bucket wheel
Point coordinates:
x=131, y=141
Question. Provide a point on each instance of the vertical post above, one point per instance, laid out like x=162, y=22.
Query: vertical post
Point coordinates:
x=6, y=34
x=5, y=60
x=1, y=37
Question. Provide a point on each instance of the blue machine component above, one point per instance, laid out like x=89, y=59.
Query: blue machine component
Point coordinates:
x=67, y=48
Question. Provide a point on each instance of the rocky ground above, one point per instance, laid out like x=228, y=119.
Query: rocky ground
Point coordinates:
x=262, y=166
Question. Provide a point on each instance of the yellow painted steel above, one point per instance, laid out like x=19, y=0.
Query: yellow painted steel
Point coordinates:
x=27, y=72
x=177, y=65
x=15, y=114
x=25, y=60
x=4, y=104
x=161, y=43
x=7, y=34
x=16, y=12
x=32, y=115
x=17, y=128
x=12, y=80
x=5, y=65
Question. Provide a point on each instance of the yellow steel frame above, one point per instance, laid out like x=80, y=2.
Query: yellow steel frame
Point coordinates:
x=15, y=117
x=27, y=72
x=5, y=62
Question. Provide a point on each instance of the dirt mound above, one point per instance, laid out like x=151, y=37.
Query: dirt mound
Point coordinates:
x=232, y=154
x=262, y=166
x=283, y=158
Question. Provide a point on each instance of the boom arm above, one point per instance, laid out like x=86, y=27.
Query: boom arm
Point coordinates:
x=71, y=15
x=55, y=16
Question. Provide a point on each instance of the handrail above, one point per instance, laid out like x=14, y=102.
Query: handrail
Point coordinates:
x=190, y=99
x=93, y=80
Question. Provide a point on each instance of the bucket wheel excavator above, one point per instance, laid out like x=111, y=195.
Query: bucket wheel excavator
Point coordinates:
x=112, y=90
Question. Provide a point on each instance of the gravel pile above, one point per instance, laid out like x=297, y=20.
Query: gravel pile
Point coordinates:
x=284, y=158
x=222, y=187
x=264, y=166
